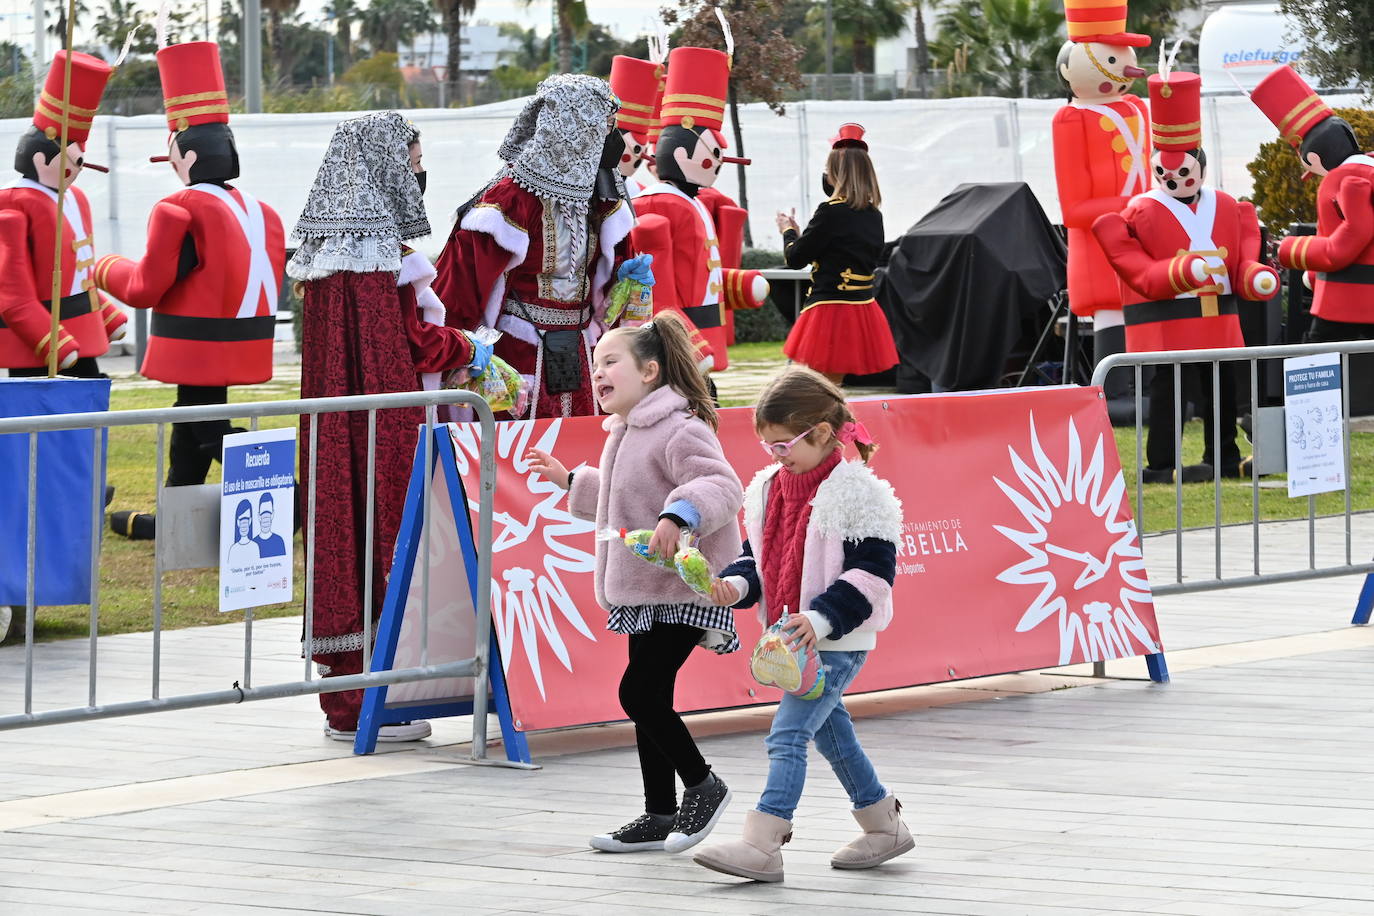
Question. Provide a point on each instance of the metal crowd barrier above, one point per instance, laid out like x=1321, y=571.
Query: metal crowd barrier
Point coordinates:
x=99, y=424
x=1173, y=361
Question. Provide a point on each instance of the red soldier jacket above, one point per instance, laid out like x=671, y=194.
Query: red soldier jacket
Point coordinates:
x=1342, y=251
x=692, y=260
x=213, y=322
x=1101, y=159
x=26, y=281
x=1154, y=244
x=512, y=265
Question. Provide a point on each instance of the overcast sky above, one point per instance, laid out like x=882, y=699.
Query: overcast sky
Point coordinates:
x=626, y=18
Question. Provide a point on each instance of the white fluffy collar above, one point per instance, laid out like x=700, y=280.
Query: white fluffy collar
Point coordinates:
x=852, y=503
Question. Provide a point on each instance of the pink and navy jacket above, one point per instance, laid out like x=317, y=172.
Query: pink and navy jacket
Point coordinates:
x=851, y=555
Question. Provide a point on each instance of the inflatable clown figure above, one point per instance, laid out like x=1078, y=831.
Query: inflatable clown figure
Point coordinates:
x=1101, y=152
x=1339, y=259
x=1185, y=254
x=29, y=224
x=638, y=84
x=675, y=225
x=211, y=272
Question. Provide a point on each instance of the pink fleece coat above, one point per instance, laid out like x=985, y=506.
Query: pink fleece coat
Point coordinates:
x=657, y=455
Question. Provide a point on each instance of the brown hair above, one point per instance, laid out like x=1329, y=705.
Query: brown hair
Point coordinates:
x=799, y=399
x=851, y=172
x=665, y=341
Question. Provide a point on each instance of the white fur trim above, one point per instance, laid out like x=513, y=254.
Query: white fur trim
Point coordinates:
x=492, y=221
x=853, y=503
x=518, y=328
x=415, y=268
x=614, y=228
x=754, y=499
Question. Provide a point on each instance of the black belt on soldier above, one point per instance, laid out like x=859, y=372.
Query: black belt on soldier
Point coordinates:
x=1355, y=273
x=219, y=330
x=1174, y=309
x=69, y=307
x=704, y=316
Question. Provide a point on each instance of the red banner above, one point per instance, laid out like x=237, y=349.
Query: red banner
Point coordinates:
x=1019, y=552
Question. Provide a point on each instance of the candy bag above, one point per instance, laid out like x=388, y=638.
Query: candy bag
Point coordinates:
x=792, y=667
x=689, y=562
x=632, y=295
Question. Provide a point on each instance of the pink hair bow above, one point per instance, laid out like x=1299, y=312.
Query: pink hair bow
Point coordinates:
x=854, y=431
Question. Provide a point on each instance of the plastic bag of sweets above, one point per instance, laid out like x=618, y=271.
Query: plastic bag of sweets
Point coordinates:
x=688, y=562
x=789, y=666
x=632, y=296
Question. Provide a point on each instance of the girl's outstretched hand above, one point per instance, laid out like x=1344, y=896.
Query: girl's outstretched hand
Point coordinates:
x=541, y=462
x=724, y=594
x=800, y=631
x=664, y=542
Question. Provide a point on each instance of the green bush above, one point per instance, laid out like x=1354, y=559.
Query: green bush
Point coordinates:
x=763, y=324
x=1280, y=195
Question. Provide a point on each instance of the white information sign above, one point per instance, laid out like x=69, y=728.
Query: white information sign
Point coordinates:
x=1316, y=434
x=257, y=503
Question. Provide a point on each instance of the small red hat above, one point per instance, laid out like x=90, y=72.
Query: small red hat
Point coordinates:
x=635, y=83
x=192, y=84
x=1290, y=104
x=89, y=76
x=1176, y=111
x=698, y=79
x=1101, y=21
x=850, y=134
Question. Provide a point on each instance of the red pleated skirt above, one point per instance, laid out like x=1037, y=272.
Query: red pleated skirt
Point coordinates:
x=842, y=338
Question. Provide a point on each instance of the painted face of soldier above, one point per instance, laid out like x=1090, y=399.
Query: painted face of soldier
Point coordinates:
x=182, y=163
x=1099, y=73
x=632, y=157
x=49, y=170
x=703, y=165
x=1177, y=174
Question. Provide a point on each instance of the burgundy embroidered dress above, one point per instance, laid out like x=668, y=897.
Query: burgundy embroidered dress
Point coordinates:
x=362, y=334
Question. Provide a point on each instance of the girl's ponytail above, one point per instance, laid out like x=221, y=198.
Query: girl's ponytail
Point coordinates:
x=665, y=340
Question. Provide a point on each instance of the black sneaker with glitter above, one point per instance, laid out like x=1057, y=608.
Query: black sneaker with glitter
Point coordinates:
x=645, y=833
x=701, y=808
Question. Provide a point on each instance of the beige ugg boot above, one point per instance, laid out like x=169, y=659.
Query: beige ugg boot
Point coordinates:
x=885, y=837
x=757, y=855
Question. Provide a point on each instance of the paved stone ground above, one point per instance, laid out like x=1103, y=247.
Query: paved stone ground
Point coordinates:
x=1241, y=787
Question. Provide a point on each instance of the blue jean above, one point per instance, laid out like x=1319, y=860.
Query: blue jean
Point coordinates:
x=826, y=720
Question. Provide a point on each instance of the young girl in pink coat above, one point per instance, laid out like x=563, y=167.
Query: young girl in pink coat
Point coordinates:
x=662, y=468
x=823, y=536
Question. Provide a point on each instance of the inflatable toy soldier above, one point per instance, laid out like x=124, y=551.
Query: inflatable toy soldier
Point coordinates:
x=29, y=225
x=638, y=85
x=1185, y=254
x=211, y=272
x=1339, y=259
x=684, y=240
x=1101, y=153
x=535, y=252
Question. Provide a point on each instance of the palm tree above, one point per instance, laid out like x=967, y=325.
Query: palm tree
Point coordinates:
x=117, y=20
x=276, y=11
x=343, y=12
x=452, y=14
x=59, y=26
x=388, y=23
x=863, y=23
x=1001, y=40
x=572, y=23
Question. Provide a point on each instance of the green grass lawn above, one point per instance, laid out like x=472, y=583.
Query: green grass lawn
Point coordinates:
x=190, y=597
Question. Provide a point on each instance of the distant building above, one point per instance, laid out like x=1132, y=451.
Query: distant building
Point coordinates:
x=484, y=49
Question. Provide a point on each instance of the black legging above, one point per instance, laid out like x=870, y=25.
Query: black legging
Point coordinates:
x=1159, y=442
x=646, y=694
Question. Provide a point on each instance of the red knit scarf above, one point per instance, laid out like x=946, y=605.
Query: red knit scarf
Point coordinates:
x=784, y=535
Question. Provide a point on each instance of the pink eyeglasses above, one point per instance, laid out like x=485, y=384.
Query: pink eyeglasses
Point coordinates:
x=782, y=449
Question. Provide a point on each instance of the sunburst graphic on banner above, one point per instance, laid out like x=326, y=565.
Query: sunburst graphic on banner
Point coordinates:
x=1082, y=552
x=531, y=606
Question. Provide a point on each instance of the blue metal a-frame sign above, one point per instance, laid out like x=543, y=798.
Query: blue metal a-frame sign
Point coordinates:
x=409, y=542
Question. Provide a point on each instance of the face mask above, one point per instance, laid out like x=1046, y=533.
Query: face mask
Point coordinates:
x=420, y=180
x=612, y=150
x=826, y=186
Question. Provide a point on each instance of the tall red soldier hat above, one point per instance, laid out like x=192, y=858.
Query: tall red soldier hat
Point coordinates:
x=655, y=122
x=635, y=83
x=1101, y=21
x=192, y=85
x=89, y=76
x=698, y=80
x=1292, y=106
x=850, y=134
x=1175, y=113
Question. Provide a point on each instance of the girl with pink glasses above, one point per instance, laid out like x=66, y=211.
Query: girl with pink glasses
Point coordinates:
x=822, y=538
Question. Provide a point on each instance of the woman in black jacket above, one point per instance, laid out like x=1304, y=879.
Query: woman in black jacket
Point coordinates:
x=841, y=329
